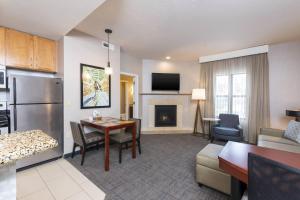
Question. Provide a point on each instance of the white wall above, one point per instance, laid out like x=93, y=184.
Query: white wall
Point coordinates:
x=189, y=79
x=284, y=62
x=133, y=65
x=82, y=48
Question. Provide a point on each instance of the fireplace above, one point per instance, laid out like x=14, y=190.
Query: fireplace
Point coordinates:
x=165, y=115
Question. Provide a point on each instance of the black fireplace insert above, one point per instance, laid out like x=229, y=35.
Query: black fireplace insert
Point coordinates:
x=165, y=115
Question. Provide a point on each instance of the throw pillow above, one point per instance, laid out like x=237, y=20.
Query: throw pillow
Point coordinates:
x=293, y=131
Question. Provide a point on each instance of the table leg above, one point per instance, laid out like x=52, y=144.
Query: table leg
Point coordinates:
x=209, y=130
x=237, y=188
x=106, y=156
x=134, y=141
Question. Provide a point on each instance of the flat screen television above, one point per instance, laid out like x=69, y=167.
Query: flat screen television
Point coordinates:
x=165, y=82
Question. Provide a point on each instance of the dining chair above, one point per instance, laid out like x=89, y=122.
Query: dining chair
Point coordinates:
x=84, y=140
x=271, y=180
x=125, y=137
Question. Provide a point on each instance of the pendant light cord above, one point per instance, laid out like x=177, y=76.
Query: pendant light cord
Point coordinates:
x=108, y=50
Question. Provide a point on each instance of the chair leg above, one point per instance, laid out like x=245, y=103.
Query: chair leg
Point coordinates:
x=212, y=139
x=97, y=146
x=73, y=152
x=139, y=146
x=83, y=155
x=120, y=153
x=126, y=145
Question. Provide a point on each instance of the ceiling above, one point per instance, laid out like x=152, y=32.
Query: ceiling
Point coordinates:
x=187, y=29
x=47, y=18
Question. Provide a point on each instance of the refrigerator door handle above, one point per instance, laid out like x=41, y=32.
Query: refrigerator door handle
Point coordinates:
x=14, y=91
x=15, y=118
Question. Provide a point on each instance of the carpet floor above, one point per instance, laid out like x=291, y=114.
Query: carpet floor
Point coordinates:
x=164, y=171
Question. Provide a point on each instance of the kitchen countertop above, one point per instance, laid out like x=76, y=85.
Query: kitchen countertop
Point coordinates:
x=19, y=145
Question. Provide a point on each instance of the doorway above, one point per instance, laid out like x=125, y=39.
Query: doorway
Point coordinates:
x=128, y=95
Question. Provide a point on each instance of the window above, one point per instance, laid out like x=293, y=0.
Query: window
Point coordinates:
x=231, y=95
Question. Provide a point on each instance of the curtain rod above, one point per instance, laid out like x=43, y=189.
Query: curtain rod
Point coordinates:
x=235, y=54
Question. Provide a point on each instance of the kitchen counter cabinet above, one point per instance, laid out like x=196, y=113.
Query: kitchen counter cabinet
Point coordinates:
x=2, y=46
x=44, y=54
x=27, y=52
x=19, y=49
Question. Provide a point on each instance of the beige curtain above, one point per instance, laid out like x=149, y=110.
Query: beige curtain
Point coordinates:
x=206, y=81
x=259, y=101
x=257, y=69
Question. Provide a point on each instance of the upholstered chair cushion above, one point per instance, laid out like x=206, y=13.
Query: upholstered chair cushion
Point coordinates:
x=121, y=137
x=226, y=131
x=93, y=137
x=126, y=135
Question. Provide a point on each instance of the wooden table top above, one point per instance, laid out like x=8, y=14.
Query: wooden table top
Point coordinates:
x=234, y=158
x=107, y=122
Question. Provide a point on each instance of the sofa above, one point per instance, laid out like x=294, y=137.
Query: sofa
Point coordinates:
x=273, y=138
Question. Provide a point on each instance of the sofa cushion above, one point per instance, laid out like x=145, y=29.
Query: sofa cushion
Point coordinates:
x=293, y=131
x=208, y=156
x=277, y=139
x=279, y=146
x=226, y=131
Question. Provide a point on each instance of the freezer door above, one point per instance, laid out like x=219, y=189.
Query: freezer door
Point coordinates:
x=30, y=89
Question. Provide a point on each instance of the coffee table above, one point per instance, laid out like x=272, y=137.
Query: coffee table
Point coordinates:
x=234, y=160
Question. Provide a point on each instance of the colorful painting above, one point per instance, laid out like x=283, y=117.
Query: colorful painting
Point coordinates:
x=95, y=87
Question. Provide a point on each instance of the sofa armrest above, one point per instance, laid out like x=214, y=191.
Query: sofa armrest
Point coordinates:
x=271, y=132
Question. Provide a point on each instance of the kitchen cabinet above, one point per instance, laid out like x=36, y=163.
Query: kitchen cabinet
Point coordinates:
x=44, y=54
x=19, y=49
x=2, y=46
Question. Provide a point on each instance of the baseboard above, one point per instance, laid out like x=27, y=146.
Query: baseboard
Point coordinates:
x=167, y=131
x=68, y=155
x=37, y=164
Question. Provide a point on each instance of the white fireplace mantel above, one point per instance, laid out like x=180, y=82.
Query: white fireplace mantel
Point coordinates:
x=151, y=114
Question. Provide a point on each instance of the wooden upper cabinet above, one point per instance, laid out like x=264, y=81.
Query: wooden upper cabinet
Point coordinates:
x=19, y=49
x=45, y=51
x=2, y=46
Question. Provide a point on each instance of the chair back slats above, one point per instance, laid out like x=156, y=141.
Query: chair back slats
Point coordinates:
x=229, y=120
x=77, y=133
x=271, y=180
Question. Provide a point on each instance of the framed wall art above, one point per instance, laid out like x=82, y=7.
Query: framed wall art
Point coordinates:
x=95, y=87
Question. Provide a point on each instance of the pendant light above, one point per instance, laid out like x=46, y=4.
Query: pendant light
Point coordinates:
x=108, y=69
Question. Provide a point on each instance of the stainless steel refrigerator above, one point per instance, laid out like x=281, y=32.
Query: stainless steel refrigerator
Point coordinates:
x=37, y=103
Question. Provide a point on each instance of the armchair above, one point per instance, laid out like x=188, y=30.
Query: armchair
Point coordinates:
x=228, y=128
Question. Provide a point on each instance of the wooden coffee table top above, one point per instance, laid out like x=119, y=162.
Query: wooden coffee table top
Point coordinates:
x=234, y=158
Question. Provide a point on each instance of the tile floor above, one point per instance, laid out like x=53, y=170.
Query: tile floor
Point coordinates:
x=57, y=180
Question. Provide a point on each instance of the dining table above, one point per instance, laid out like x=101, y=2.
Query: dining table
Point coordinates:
x=233, y=159
x=108, y=124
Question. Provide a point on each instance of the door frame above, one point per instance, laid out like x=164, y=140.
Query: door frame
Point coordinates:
x=125, y=98
x=135, y=92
